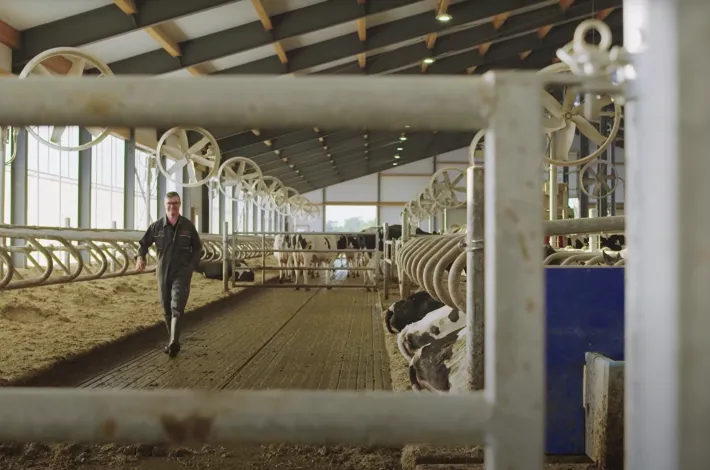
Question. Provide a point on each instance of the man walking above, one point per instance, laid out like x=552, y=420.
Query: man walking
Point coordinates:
x=179, y=252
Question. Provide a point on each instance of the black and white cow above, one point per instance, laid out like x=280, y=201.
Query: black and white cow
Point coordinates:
x=439, y=366
x=434, y=325
x=410, y=310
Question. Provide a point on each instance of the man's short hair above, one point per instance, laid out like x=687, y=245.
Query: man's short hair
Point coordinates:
x=172, y=194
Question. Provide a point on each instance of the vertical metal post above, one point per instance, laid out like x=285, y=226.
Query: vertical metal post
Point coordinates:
x=553, y=206
x=603, y=202
x=594, y=239
x=387, y=249
x=225, y=257
x=667, y=295
x=263, y=257
x=444, y=220
x=403, y=281
x=4, y=132
x=584, y=150
x=612, y=198
x=67, y=255
x=514, y=318
x=18, y=193
x=475, y=280
x=112, y=263
x=376, y=257
x=148, y=216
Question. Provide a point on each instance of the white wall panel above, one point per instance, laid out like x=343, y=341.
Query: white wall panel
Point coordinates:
x=361, y=189
x=460, y=155
x=402, y=188
x=393, y=215
x=316, y=225
x=422, y=166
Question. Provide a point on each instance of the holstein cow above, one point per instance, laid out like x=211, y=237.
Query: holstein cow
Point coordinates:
x=434, y=325
x=407, y=311
x=607, y=260
x=439, y=366
x=284, y=260
x=313, y=250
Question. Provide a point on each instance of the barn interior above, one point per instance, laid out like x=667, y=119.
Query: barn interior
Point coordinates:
x=348, y=167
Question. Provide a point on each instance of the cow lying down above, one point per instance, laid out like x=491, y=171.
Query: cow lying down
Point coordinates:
x=409, y=310
x=434, y=325
x=439, y=366
x=213, y=270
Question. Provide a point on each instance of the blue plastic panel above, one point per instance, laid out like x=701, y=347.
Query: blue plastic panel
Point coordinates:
x=585, y=313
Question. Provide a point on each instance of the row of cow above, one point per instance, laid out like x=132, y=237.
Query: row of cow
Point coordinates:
x=297, y=252
x=431, y=336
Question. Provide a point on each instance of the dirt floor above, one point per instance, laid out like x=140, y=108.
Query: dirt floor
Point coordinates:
x=317, y=339
x=40, y=326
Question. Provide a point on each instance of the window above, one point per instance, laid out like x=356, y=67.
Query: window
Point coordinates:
x=107, y=173
x=349, y=218
x=142, y=162
x=52, y=180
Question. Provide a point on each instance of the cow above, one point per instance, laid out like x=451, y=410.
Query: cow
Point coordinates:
x=434, y=325
x=607, y=260
x=348, y=242
x=612, y=242
x=284, y=260
x=313, y=250
x=439, y=366
x=213, y=270
x=407, y=311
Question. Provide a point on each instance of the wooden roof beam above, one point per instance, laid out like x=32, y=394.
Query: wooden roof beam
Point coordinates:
x=268, y=26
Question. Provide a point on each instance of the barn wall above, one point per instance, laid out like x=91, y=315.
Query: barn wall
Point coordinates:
x=391, y=189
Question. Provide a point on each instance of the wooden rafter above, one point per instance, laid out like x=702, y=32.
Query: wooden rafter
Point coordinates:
x=127, y=6
x=9, y=36
x=362, y=36
x=268, y=26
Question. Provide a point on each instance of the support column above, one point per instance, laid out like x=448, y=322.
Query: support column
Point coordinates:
x=129, y=182
x=379, y=198
x=161, y=189
x=604, y=158
x=667, y=405
x=235, y=217
x=85, y=180
x=612, y=198
x=18, y=193
x=222, y=208
x=205, y=213
x=584, y=150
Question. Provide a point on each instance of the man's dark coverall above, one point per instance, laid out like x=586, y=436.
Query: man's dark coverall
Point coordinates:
x=179, y=252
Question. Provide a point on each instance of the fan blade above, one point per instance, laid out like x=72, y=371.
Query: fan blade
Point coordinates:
x=563, y=140
x=588, y=130
x=552, y=105
x=568, y=102
x=77, y=68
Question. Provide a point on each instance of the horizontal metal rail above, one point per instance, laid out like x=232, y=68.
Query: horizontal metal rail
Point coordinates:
x=265, y=416
x=271, y=285
x=306, y=250
x=310, y=268
x=68, y=255
x=304, y=233
x=377, y=103
x=610, y=224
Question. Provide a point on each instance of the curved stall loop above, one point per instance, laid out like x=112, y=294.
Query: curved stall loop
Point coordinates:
x=84, y=255
x=409, y=250
x=433, y=270
x=458, y=295
x=435, y=245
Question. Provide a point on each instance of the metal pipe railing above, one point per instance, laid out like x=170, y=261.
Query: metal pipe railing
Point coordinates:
x=508, y=414
x=90, y=254
x=385, y=103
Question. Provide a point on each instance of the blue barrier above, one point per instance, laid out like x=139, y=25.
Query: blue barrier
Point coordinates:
x=585, y=313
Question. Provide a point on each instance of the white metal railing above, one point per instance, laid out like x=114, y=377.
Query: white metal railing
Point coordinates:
x=75, y=255
x=508, y=415
x=266, y=246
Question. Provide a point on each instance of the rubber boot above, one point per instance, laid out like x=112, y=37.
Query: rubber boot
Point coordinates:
x=167, y=327
x=174, y=346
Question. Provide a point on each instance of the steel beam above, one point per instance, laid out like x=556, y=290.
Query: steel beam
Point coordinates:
x=84, y=186
x=18, y=193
